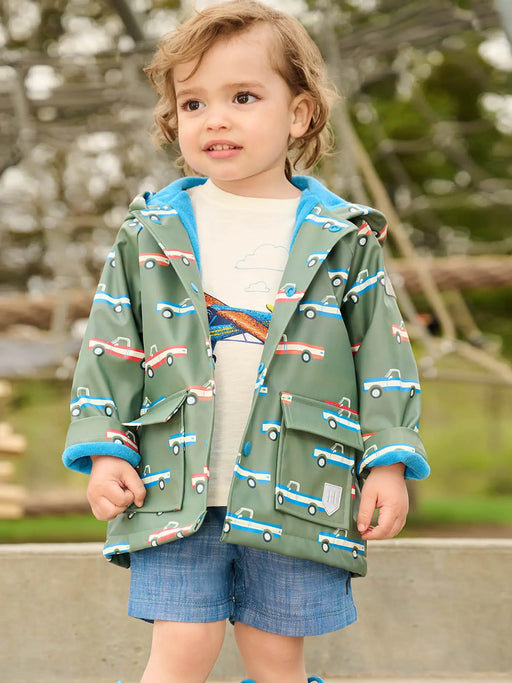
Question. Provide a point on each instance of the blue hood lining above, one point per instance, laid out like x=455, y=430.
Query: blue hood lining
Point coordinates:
x=175, y=195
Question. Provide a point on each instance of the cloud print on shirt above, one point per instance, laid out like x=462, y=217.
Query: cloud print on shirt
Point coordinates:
x=259, y=286
x=264, y=257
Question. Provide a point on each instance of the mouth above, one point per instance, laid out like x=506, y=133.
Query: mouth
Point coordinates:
x=220, y=147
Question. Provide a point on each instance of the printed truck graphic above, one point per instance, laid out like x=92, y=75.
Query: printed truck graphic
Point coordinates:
x=344, y=409
x=171, y=530
x=120, y=347
x=83, y=399
x=363, y=233
x=271, y=428
x=147, y=404
x=116, y=549
x=150, y=479
x=169, y=310
x=338, y=276
x=151, y=260
x=201, y=393
x=260, y=386
x=334, y=456
x=316, y=257
x=252, y=477
x=154, y=214
x=363, y=284
x=390, y=382
x=334, y=419
x=158, y=358
x=305, y=351
x=117, y=302
x=289, y=293
x=400, y=333
x=330, y=540
x=199, y=480
x=365, y=230
x=327, y=223
x=125, y=438
x=292, y=494
x=243, y=520
x=328, y=307
x=177, y=441
x=186, y=257
x=372, y=453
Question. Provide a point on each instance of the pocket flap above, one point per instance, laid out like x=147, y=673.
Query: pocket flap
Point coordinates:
x=160, y=410
x=332, y=421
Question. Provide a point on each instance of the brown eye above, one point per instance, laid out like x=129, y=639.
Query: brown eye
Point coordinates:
x=245, y=98
x=192, y=105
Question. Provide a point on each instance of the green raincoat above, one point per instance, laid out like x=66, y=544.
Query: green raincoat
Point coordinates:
x=336, y=391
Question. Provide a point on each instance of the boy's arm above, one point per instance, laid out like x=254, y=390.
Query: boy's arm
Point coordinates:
x=109, y=376
x=389, y=393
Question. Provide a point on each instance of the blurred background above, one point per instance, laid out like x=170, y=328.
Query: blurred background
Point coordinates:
x=423, y=131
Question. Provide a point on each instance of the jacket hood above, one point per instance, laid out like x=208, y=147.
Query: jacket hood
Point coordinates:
x=313, y=193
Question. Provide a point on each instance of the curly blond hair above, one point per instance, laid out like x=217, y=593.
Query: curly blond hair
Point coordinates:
x=295, y=58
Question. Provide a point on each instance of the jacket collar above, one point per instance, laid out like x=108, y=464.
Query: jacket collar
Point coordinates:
x=322, y=220
x=176, y=195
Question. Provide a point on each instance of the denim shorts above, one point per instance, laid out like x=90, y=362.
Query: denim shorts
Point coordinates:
x=200, y=579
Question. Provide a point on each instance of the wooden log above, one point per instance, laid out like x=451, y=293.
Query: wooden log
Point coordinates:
x=63, y=504
x=5, y=390
x=11, y=444
x=6, y=470
x=12, y=501
x=11, y=510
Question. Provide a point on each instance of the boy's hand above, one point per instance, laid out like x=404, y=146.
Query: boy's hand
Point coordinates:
x=384, y=489
x=113, y=485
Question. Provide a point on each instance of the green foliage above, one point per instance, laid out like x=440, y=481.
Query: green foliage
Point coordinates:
x=463, y=512
x=52, y=529
x=40, y=411
x=468, y=437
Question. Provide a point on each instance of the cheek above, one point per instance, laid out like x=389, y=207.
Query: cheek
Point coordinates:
x=184, y=136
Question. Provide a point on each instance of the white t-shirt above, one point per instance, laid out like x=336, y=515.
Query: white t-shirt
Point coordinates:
x=243, y=244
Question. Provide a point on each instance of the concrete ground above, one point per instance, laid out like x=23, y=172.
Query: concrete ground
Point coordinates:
x=429, y=610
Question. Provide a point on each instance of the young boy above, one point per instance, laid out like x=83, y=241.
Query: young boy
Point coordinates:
x=265, y=295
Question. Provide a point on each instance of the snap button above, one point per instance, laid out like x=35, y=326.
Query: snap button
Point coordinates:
x=291, y=290
x=334, y=228
x=261, y=367
x=194, y=287
x=247, y=448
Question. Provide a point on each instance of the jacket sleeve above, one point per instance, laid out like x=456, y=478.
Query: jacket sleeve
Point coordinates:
x=389, y=391
x=109, y=376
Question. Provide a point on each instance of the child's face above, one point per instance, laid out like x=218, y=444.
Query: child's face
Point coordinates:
x=235, y=116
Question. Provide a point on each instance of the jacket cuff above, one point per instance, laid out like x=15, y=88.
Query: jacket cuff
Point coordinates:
x=78, y=457
x=390, y=446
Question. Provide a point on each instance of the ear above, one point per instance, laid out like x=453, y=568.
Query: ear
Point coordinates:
x=302, y=108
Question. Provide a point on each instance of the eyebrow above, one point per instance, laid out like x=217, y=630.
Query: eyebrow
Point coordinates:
x=242, y=85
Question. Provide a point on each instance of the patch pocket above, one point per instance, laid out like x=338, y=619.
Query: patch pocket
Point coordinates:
x=162, y=444
x=319, y=445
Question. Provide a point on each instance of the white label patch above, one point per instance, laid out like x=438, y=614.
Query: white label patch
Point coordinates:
x=331, y=498
x=388, y=286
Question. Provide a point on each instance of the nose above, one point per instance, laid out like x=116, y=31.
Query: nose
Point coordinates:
x=217, y=118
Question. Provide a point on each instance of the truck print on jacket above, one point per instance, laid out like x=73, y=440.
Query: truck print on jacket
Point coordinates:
x=307, y=445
